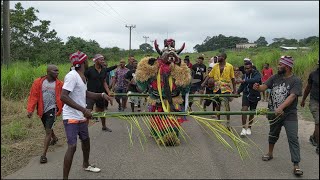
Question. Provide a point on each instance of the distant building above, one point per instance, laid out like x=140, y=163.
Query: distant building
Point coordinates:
x=245, y=45
x=294, y=48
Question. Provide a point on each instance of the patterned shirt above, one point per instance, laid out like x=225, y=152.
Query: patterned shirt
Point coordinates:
x=49, y=95
x=120, y=78
x=222, y=81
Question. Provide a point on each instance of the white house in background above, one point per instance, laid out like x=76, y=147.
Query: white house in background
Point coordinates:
x=245, y=45
x=294, y=48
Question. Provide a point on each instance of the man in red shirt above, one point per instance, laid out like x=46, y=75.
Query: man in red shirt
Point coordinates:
x=266, y=74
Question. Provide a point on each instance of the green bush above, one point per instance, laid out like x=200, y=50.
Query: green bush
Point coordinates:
x=14, y=131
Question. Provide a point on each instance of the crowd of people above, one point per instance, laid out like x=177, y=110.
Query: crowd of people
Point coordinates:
x=86, y=87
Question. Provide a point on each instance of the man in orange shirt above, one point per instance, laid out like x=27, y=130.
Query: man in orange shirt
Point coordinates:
x=45, y=94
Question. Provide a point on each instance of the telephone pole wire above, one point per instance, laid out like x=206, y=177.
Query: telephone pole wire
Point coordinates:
x=146, y=39
x=6, y=32
x=130, y=28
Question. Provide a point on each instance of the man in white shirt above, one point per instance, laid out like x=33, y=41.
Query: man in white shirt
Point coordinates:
x=75, y=115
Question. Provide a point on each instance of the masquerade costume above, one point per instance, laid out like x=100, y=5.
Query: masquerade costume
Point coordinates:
x=167, y=80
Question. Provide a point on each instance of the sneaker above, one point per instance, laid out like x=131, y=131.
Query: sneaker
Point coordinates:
x=248, y=131
x=92, y=168
x=243, y=132
x=313, y=140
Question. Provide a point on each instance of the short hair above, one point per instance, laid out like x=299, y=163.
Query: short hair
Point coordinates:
x=267, y=64
x=201, y=58
x=224, y=55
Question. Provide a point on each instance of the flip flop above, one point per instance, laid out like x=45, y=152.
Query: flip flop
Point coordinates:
x=297, y=172
x=266, y=157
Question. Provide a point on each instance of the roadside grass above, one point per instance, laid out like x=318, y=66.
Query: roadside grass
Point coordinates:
x=21, y=137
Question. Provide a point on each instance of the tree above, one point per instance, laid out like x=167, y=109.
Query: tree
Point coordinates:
x=219, y=42
x=146, y=48
x=30, y=41
x=261, y=41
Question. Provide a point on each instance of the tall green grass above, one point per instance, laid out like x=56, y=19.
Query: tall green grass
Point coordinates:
x=18, y=78
x=304, y=61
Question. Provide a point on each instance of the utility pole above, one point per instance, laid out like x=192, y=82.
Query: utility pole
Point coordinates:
x=146, y=39
x=6, y=32
x=130, y=28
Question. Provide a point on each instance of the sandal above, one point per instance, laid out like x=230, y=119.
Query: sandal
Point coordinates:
x=92, y=168
x=43, y=159
x=297, y=172
x=267, y=157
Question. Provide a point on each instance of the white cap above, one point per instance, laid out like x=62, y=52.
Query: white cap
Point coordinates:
x=247, y=59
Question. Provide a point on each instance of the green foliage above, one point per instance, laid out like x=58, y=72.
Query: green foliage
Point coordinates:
x=219, y=42
x=14, y=131
x=146, y=48
x=261, y=41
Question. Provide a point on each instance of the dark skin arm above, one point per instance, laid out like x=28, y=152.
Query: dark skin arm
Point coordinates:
x=305, y=94
x=86, y=112
x=259, y=87
x=285, y=104
x=234, y=86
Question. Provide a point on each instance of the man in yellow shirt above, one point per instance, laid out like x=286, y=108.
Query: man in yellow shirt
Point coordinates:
x=223, y=76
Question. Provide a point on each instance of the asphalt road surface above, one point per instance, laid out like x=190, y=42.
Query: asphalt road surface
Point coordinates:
x=203, y=158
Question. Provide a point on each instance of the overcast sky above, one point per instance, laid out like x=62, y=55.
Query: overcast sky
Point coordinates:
x=185, y=21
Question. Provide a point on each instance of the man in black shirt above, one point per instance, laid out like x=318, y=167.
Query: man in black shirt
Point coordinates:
x=96, y=76
x=198, y=71
x=130, y=78
x=285, y=89
x=130, y=62
x=313, y=89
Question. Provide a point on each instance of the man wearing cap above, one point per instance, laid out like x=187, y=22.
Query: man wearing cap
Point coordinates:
x=285, y=89
x=75, y=114
x=250, y=97
x=242, y=69
x=224, y=79
x=313, y=89
x=213, y=61
x=96, y=76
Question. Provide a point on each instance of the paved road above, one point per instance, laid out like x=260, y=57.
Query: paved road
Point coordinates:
x=203, y=159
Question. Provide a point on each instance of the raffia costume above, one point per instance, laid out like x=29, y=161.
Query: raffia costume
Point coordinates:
x=167, y=80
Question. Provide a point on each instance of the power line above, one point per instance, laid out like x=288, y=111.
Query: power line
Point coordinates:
x=105, y=11
x=115, y=11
